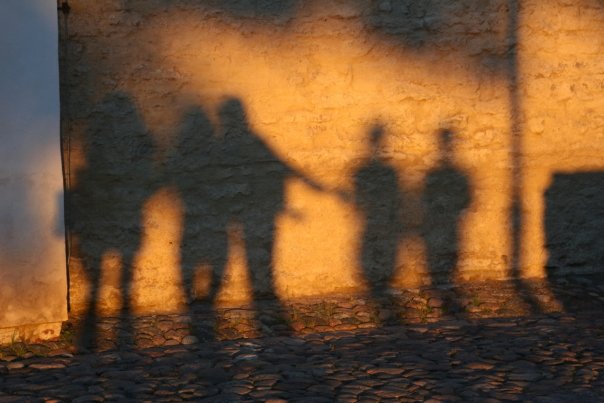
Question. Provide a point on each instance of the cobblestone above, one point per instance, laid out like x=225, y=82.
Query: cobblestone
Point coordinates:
x=553, y=355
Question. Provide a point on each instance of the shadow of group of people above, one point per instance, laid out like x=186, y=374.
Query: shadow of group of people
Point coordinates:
x=391, y=214
x=229, y=179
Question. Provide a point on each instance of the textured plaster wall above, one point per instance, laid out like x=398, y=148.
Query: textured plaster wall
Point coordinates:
x=33, y=283
x=235, y=149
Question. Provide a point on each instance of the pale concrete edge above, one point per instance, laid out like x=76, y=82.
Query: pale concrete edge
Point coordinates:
x=30, y=333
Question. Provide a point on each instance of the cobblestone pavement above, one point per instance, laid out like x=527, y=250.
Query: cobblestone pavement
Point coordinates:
x=485, y=355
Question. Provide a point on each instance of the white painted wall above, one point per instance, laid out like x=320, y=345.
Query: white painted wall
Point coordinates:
x=33, y=284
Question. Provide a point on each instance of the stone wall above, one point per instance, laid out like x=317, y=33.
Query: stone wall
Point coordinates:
x=238, y=149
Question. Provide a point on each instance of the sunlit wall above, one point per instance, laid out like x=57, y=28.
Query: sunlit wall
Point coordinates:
x=33, y=283
x=235, y=150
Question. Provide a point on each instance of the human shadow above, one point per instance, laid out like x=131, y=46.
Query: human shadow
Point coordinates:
x=194, y=167
x=574, y=224
x=106, y=207
x=258, y=178
x=233, y=186
x=378, y=198
x=445, y=197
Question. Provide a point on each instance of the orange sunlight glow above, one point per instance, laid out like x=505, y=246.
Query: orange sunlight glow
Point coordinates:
x=315, y=89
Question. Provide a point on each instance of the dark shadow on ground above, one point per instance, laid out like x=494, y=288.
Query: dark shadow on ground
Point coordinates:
x=535, y=359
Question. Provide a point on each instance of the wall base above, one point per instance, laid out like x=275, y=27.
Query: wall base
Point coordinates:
x=30, y=333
